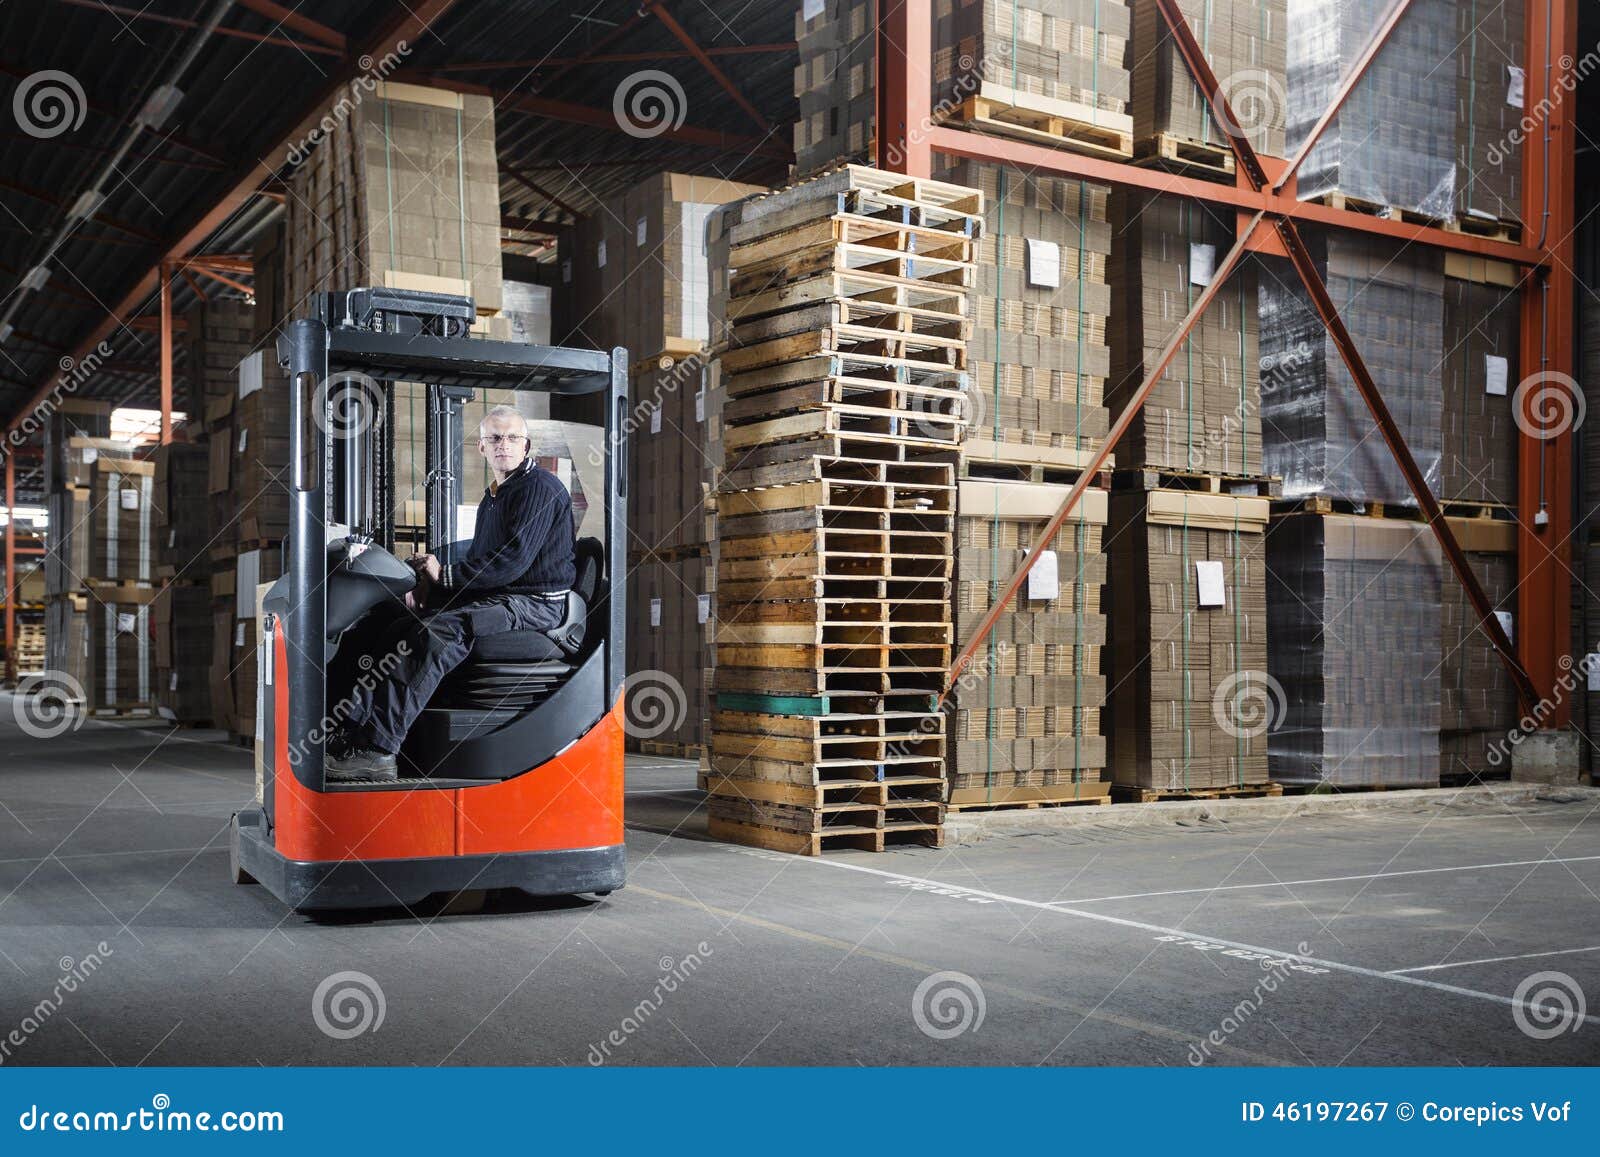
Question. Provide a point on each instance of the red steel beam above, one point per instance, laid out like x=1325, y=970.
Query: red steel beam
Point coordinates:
x=1544, y=466
x=302, y=24
x=660, y=11
x=408, y=25
x=904, y=88
x=99, y=218
x=614, y=58
x=1249, y=165
x=517, y=173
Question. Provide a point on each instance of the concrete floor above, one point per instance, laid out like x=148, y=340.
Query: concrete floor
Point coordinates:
x=1120, y=942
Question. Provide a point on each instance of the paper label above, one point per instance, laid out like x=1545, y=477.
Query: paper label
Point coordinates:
x=1496, y=370
x=703, y=608
x=172, y=538
x=244, y=436
x=1591, y=666
x=1505, y=624
x=1044, y=264
x=130, y=498
x=655, y=612
x=699, y=405
x=126, y=623
x=1209, y=580
x=172, y=683
x=655, y=420
x=566, y=272
x=1043, y=580
x=90, y=454
x=1515, y=83
x=810, y=9
x=238, y=634
x=1202, y=263
x=640, y=231
x=600, y=255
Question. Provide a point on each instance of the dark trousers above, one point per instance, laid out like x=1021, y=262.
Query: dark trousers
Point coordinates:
x=392, y=665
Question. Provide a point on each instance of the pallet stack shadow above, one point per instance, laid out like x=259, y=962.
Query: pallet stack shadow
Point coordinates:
x=100, y=570
x=1028, y=712
x=639, y=276
x=845, y=384
x=1047, y=71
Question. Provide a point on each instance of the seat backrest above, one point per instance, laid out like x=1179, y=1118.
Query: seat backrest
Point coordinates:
x=590, y=562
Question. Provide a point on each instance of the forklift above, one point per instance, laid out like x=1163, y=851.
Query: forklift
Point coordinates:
x=512, y=777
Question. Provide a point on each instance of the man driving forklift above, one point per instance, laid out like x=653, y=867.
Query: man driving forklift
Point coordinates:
x=515, y=575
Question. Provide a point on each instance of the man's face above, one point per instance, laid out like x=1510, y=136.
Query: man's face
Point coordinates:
x=504, y=442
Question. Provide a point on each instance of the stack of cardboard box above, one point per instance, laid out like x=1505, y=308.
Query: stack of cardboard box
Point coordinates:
x=1489, y=52
x=1482, y=333
x=181, y=616
x=1477, y=698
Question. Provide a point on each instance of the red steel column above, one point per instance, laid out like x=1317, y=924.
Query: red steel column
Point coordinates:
x=1544, y=473
x=905, y=86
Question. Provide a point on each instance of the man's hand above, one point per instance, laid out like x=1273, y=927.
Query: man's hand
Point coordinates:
x=426, y=566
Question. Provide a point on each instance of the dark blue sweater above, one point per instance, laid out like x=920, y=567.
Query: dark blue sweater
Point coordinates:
x=522, y=543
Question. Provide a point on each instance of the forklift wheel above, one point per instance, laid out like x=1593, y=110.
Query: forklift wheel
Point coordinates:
x=607, y=892
x=236, y=870
x=465, y=903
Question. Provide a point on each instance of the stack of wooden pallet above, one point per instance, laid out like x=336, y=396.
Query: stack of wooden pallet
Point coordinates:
x=842, y=425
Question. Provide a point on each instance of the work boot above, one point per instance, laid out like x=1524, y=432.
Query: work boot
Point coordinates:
x=362, y=765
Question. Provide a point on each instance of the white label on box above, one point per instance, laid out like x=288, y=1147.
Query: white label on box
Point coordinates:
x=1044, y=264
x=264, y=656
x=1043, y=580
x=600, y=255
x=655, y=420
x=703, y=608
x=1591, y=665
x=1208, y=577
x=1496, y=370
x=130, y=498
x=90, y=454
x=1515, y=82
x=566, y=272
x=1505, y=624
x=700, y=405
x=655, y=612
x=172, y=683
x=641, y=230
x=244, y=436
x=1202, y=263
x=172, y=537
x=251, y=374
x=810, y=9
x=126, y=622
x=238, y=634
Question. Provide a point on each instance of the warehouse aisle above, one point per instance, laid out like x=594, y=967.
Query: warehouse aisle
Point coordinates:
x=1104, y=945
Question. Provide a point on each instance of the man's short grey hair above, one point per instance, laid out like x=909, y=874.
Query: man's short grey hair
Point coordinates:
x=504, y=412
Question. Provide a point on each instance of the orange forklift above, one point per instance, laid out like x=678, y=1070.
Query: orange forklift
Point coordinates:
x=512, y=777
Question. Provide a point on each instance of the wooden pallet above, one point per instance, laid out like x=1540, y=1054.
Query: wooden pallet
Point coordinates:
x=837, y=840
x=1170, y=151
x=818, y=705
x=1344, y=201
x=964, y=799
x=1044, y=120
x=1491, y=511
x=1494, y=228
x=986, y=459
x=1157, y=479
x=1130, y=793
x=1324, y=504
x=669, y=750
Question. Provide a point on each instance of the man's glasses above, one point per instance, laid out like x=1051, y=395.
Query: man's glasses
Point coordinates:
x=502, y=439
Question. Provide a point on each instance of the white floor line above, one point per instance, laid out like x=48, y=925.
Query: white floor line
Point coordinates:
x=1101, y=917
x=1494, y=960
x=1328, y=880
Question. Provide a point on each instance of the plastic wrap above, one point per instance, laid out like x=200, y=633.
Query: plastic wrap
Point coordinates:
x=1319, y=434
x=1482, y=338
x=1491, y=92
x=1393, y=142
x=1205, y=412
x=1353, y=642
